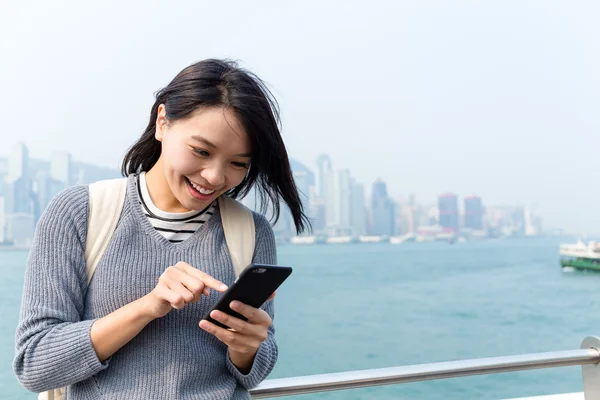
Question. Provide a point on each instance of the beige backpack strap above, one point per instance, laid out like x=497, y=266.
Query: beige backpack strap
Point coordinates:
x=106, y=203
x=238, y=226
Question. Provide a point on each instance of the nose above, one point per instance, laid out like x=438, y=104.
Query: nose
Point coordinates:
x=213, y=174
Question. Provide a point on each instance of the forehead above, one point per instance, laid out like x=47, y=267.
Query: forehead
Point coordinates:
x=220, y=126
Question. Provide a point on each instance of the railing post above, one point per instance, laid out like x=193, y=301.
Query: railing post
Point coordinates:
x=591, y=372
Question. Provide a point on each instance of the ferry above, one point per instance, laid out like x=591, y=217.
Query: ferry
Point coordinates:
x=580, y=256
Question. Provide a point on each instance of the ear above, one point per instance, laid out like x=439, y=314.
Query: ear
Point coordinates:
x=161, y=123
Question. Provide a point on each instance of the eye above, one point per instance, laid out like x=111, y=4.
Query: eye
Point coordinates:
x=238, y=164
x=201, y=152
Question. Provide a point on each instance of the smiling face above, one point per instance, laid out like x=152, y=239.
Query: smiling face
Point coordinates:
x=202, y=156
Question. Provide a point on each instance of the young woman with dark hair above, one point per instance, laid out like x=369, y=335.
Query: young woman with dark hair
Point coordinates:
x=213, y=131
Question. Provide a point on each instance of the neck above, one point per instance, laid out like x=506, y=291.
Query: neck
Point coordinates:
x=160, y=192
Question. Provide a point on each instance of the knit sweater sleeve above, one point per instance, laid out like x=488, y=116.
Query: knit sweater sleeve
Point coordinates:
x=265, y=252
x=53, y=347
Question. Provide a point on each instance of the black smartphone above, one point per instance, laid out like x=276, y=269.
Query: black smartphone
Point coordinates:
x=253, y=287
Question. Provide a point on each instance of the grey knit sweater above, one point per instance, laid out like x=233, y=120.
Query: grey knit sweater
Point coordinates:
x=171, y=358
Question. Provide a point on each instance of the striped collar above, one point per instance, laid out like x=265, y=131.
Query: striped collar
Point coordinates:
x=152, y=211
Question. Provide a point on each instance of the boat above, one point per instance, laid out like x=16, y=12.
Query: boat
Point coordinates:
x=306, y=240
x=303, y=240
x=340, y=240
x=409, y=237
x=371, y=239
x=580, y=256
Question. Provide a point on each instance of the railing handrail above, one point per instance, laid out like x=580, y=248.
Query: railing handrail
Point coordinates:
x=421, y=372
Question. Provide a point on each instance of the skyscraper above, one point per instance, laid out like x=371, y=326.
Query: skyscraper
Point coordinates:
x=344, y=199
x=383, y=217
x=327, y=191
x=338, y=202
x=448, y=208
x=473, y=212
x=61, y=167
x=304, y=179
x=324, y=169
x=19, y=192
x=532, y=222
x=2, y=221
x=18, y=162
x=358, y=215
x=317, y=212
x=518, y=220
x=410, y=216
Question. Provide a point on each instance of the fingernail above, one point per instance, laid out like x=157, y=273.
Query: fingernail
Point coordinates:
x=203, y=324
x=223, y=286
x=235, y=304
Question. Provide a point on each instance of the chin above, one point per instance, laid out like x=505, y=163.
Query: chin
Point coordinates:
x=195, y=204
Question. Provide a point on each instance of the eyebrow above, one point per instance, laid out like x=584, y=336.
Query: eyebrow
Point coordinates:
x=213, y=146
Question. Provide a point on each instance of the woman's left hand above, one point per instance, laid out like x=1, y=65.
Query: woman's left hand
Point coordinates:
x=244, y=337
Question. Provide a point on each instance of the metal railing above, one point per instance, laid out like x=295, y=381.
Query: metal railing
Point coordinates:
x=588, y=357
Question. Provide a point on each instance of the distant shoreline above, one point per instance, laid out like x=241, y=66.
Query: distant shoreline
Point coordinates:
x=14, y=248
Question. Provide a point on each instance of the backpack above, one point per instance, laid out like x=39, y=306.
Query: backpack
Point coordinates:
x=106, y=202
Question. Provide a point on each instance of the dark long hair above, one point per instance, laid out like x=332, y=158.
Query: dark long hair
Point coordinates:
x=211, y=83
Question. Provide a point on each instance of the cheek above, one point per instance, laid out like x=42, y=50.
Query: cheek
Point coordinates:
x=236, y=177
x=182, y=162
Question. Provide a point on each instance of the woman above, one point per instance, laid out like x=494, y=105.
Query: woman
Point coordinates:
x=213, y=131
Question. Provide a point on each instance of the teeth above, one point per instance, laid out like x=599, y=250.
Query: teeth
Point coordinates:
x=201, y=189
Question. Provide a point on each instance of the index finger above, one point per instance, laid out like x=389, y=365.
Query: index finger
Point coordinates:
x=208, y=280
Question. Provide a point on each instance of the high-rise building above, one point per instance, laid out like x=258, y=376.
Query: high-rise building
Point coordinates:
x=317, y=212
x=532, y=222
x=338, y=200
x=304, y=179
x=473, y=213
x=284, y=226
x=331, y=199
x=383, y=216
x=3, y=237
x=344, y=199
x=518, y=220
x=45, y=188
x=18, y=162
x=324, y=168
x=61, y=167
x=448, y=209
x=412, y=200
x=328, y=191
x=410, y=216
x=18, y=188
x=3, y=176
x=358, y=211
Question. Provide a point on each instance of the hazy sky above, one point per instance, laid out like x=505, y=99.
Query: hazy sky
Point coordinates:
x=497, y=98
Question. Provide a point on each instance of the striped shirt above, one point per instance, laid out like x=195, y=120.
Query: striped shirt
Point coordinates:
x=175, y=227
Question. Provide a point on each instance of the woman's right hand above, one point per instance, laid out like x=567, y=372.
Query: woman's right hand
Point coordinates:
x=179, y=285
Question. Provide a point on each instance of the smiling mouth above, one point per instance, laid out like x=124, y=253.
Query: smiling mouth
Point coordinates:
x=203, y=191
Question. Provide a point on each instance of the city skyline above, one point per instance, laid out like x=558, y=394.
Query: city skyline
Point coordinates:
x=337, y=204
x=397, y=193
x=402, y=194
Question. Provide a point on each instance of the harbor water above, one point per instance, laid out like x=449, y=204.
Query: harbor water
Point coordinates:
x=361, y=306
